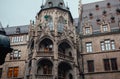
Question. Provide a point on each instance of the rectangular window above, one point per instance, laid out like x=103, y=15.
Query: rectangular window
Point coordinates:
x=27, y=37
x=87, y=30
x=0, y=72
x=90, y=64
x=21, y=38
x=110, y=64
x=105, y=28
x=89, y=47
x=15, y=54
x=106, y=64
x=107, y=45
x=113, y=45
x=17, y=39
x=114, y=64
x=102, y=46
x=10, y=72
x=12, y=39
x=13, y=72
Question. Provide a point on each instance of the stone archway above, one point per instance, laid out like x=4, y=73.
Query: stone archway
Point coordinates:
x=65, y=51
x=63, y=69
x=45, y=67
x=46, y=45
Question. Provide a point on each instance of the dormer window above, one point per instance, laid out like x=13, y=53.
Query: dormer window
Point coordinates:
x=105, y=13
x=17, y=30
x=97, y=7
x=50, y=4
x=112, y=19
x=105, y=28
x=117, y=11
x=91, y=15
x=87, y=30
x=108, y=5
x=98, y=21
x=60, y=4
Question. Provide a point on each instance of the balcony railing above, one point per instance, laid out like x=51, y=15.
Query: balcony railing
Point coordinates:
x=66, y=57
x=44, y=76
x=44, y=53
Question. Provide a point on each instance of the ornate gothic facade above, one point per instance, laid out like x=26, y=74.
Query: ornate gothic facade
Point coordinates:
x=56, y=46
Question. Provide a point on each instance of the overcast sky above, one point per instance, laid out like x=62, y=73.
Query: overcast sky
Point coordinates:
x=20, y=12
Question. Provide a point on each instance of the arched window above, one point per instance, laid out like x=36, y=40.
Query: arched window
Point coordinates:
x=17, y=30
x=50, y=23
x=61, y=23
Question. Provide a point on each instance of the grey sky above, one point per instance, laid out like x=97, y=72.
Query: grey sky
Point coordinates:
x=20, y=12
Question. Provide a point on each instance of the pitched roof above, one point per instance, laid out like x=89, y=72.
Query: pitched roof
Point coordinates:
x=98, y=14
x=12, y=30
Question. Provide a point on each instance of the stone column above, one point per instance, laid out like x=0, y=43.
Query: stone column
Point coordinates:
x=76, y=71
x=34, y=66
x=55, y=69
x=55, y=60
x=26, y=69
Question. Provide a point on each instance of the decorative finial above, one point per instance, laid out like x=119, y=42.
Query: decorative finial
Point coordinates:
x=42, y=4
x=67, y=5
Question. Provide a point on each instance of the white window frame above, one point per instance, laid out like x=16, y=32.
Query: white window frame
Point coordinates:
x=105, y=28
x=89, y=47
x=87, y=30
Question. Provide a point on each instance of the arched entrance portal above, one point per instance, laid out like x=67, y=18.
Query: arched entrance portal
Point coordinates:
x=63, y=70
x=44, y=67
x=46, y=45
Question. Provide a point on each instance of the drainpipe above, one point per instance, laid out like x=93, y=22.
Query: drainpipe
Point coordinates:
x=82, y=73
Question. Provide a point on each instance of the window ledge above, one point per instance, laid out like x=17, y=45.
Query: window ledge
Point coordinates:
x=110, y=51
x=111, y=71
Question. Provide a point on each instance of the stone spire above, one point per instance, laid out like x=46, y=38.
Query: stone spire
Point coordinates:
x=54, y=3
x=80, y=7
x=2, y=31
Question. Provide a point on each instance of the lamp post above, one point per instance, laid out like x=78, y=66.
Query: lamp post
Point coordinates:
x=4, y=45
